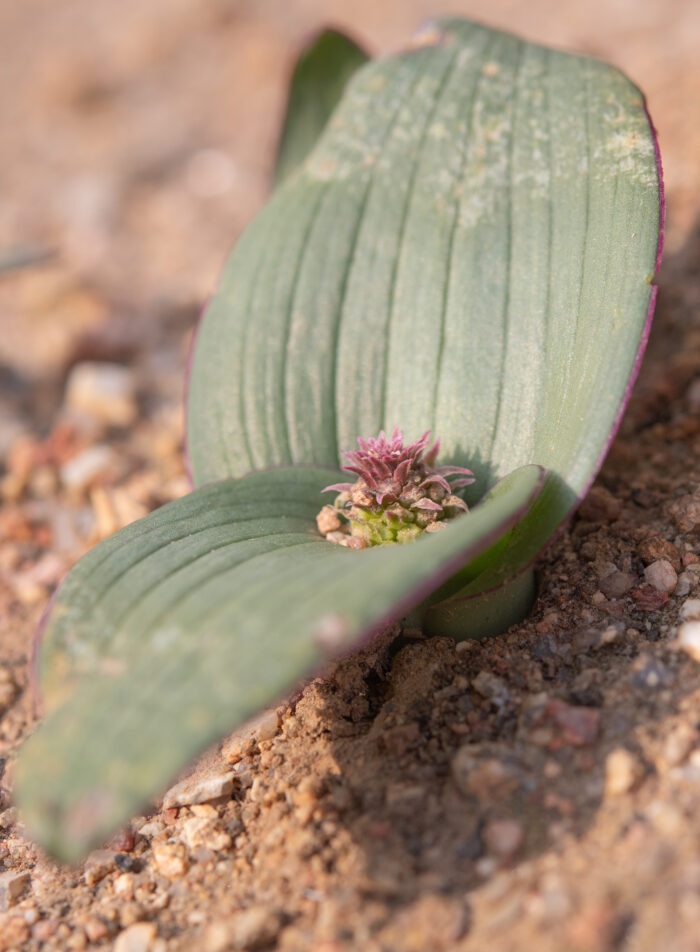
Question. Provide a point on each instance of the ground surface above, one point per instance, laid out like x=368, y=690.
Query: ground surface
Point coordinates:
x=541, y=790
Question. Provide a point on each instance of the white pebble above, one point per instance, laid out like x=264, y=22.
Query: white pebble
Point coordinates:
x=661, y=575
x=690, y=609
x=138, y=937
x=12, y=886
x=688, y=639
x=80, y=471
x=199, y=790
x=623, y=771
x=104, y=392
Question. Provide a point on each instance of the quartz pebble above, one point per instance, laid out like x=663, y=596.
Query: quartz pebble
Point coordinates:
x=623, y=771
x=199, y=790
x=688, y=639
x=661, y=575
x=686, y=513
x=81, y=470
x=138, y=937
x=690, y=610
x=12, y=886
x=201, y=831
x=686, y=583
x=104, y=392
x=170, y=859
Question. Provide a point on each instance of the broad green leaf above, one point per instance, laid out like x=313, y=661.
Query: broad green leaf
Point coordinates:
x=183, y=624
x=469, y=247
x=320, y=76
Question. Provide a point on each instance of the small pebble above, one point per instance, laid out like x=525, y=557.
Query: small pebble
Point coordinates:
x=648, y=598
x=8, y=818
x=97, y=865
x=253, y=928
x=488, y=779
x=95, y=929
x=690, y=610
x=199, y=790
x=623, y=771
x=12, y=886
x=666, y=818
x=14, y=932
x=686, y=584
x=170, y=859
x=138, y=937
x=686, y=513
x=200, y=831
x=124, y=887
x=688, y=639
x=580, y=725
x=655, y=548
x=617, y=584
x=661, y=575
x=81, y=470
x=503, y=838
x=104, y=392
x=123, y=841
x=490, y=686
x=328, y=520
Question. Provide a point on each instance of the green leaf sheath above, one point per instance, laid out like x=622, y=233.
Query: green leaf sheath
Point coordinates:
x=318, y=81
x=470, y=248
x=188, y=621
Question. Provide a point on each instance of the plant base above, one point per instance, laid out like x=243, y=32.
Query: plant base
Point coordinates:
x=480, y=616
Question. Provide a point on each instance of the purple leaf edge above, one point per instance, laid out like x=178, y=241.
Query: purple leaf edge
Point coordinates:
x=631, y=380
x=38, y=635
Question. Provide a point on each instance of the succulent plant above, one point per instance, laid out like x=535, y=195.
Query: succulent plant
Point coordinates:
x=468, y=244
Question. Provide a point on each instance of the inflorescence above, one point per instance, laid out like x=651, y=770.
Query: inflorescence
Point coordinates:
x=398, y=495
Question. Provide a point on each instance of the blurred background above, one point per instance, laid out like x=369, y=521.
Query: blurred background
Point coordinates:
x=138, y=135
x=137, y=139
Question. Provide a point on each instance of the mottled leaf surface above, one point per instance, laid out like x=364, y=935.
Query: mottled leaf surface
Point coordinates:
x=186, y=622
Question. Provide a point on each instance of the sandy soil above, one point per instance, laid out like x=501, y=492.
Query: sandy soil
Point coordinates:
x=540, y=790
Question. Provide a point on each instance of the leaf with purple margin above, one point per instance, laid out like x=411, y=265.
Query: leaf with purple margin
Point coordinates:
x=189, y=620
x=469, y=247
